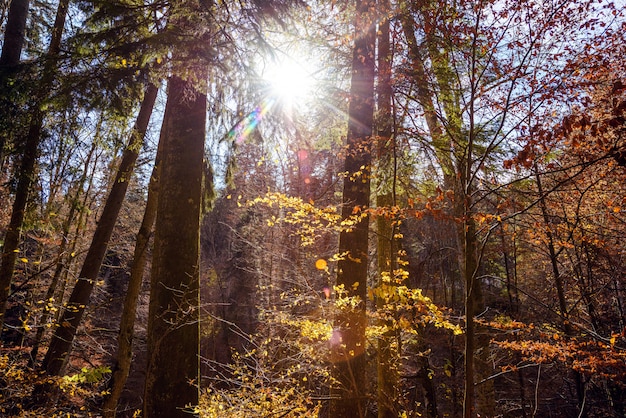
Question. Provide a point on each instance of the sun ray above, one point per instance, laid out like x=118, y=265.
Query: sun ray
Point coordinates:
x=289, y=80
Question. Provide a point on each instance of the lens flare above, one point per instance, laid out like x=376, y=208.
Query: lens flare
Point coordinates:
x=248, y=124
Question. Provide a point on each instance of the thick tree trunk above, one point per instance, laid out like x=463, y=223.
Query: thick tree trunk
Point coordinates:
x=172, y=376
x=61, y=343
x=27, y=168
x=127, y=322
x=348, y=348
x=14, y=33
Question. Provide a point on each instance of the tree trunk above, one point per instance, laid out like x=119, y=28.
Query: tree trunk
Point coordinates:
x=61, y=257
x=14, y=33
x=441, y=143
x=172, y=376
x=27, y=168
x=387, y=355
x=471, y=289
x=127, y=322
x=79, y=299
x=348, y=349
x=560, y=289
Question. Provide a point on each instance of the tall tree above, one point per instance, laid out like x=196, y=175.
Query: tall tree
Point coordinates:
x=349, y=344
x=172, y=376
x=61, y=343
x=387, y=369
x=124, y=356
x=27, y=168
x=13, y=42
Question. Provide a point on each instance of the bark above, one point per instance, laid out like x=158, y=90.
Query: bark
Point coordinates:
x=172, y=375
x=471, y=290
x=127, y=322
x=26, y=173
x=387, y=356
x=14, y=33
x=61, y=343
x=348, y=349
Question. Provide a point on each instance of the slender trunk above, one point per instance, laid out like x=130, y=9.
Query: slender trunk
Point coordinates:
x=441, y=143
x=79, y=299
x=26, y=174
x=444, y=144
x=507, y=270
x=471, y=288
x=560, y=289
x=127, y=322
x=173, y=370
x=81, y=223
x=587, y=289
x=387, y=356
x=62, y=255
x=348, y=348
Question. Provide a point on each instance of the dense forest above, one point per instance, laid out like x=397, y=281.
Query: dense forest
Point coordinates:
x=294, y=208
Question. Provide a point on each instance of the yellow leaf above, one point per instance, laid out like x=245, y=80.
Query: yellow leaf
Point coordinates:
x=24, y=260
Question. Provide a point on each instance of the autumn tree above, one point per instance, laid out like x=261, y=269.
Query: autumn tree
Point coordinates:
x=79, y=299
x=173, y=328
x=28, y=161
x=348, y=351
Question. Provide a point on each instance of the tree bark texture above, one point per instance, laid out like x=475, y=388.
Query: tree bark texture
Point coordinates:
x=348, y=348
x=61, y=343
x=14, y=33
x=172, y=376
x=387, y=355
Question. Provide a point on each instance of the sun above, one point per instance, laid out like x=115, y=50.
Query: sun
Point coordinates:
x=288, y=79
